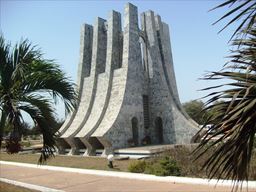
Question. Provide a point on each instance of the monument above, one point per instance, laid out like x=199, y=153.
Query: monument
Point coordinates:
x=127, y=88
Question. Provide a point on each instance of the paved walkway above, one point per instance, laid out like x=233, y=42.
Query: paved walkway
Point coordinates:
x=76, y=182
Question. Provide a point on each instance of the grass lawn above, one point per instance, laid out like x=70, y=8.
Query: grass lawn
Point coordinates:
x=5, y=187
x=70, y=161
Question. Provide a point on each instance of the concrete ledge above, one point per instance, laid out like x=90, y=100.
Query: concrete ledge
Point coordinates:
x=138, y=176
x=29, y=186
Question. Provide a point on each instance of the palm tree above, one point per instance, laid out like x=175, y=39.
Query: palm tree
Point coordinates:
x=30, y=84
x=235, y=122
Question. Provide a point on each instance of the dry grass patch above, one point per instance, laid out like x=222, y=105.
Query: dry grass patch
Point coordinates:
x=70, y=161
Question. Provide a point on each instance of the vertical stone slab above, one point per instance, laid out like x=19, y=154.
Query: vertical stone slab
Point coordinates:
x=126, y=92
x=132, y=56
x=133, y=102
x=114, y=43
x=130, y=34
x=167, y=51
x=148, y=24
x=143, y=44
x=159, y=96
x=104, y=82
x=90, y=83
x=167, y=62
x=99, y=47
x=84, y=67
x=177, y=127
x=164, y=39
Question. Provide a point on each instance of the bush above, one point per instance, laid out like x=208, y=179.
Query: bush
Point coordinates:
x=137, y=167
x=170, y=166
x=155, y=169
x=164, y=166
x=179, y=161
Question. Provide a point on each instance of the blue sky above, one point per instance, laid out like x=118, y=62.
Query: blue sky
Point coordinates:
x=55, y=27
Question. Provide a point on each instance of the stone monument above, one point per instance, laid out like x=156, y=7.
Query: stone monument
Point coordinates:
x=127, y=88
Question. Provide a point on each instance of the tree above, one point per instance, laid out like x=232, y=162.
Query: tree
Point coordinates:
x=236, y=120
x=195, y=110
x=31, y=84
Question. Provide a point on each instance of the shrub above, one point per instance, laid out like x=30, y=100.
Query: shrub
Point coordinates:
x=163, y=167
x=179, y=161
x=155, y=169
x=137, y=167
x=170, y=166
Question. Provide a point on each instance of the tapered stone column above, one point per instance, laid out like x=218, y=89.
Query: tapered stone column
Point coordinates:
x=126, y=93
x=90, y=83
x=104, y=80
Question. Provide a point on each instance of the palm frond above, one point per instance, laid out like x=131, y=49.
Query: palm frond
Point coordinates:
x=42, y=104
x=22, y=56
x=236, y=121
x=45, y=121
x=6, y=68
x=27, y=81
x=245, y=10
x=47, y=77
x=49, y=138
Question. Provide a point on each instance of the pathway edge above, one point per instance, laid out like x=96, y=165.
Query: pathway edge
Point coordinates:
x=138, y=176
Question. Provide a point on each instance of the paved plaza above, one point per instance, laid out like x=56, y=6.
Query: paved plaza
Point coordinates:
x=72, y=181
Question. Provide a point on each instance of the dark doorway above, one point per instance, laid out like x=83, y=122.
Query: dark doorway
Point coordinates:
x=159, y=130
x=135, y=131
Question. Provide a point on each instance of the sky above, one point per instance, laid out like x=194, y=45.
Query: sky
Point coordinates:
x=54, y=26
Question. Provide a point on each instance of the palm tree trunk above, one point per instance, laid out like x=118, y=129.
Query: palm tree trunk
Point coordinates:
x=2, y=125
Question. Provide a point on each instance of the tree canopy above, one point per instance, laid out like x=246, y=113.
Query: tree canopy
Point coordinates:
x=195, y=110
